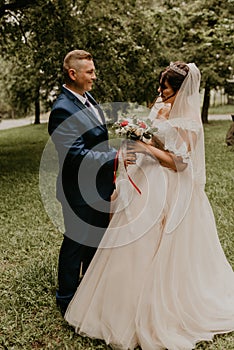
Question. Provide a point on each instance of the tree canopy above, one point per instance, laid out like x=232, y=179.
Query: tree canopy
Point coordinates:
x=131, y=41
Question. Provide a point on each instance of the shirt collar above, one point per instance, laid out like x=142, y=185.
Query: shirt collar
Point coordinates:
x=82, y=98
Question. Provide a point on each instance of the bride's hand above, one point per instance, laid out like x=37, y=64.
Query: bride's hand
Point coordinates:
x=138, y=147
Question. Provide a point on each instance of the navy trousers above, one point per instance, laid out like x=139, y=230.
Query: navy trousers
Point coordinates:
x=84, y=228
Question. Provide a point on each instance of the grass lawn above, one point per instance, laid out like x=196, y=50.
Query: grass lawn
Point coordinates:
x=224, y=109
x=29, y=242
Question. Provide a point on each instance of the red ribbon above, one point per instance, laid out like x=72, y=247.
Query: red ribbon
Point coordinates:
x=115, y=166
x=134, y=185
x=115, y=171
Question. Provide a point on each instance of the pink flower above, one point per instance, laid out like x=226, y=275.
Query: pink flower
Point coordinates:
x=142, y=125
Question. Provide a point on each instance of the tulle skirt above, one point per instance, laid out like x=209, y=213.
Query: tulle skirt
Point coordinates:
x=149, y=288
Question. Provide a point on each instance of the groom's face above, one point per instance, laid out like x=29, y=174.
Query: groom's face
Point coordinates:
x=84, y=76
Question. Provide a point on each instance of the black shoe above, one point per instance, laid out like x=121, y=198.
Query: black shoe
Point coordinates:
x=62, y=307
x=62, y=302
x=62, y=310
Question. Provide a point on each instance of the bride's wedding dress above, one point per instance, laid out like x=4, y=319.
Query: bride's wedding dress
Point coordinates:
x=160, y=279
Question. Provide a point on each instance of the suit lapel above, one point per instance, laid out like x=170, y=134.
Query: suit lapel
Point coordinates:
x=86, y=110
x=89, y=113
x=94, y=102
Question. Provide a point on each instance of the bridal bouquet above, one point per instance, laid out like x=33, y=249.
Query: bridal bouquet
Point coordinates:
x=134, y=129
x=137, y=129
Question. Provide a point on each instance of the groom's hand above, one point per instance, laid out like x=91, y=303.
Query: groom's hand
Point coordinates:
x=130, y=157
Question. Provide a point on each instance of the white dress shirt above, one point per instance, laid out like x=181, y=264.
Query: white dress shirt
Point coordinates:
x=83, y=99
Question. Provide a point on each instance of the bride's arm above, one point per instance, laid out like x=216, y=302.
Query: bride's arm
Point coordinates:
x=156, y=142
x=165, y=158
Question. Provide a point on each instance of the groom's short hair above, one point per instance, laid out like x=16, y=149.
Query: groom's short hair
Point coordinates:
x=71, y=58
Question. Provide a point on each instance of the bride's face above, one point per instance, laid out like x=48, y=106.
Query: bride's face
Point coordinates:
x=167, y=93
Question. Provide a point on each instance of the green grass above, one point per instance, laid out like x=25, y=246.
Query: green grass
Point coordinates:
x=224, y=109
x=30, y=243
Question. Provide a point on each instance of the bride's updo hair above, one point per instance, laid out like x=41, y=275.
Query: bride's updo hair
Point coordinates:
x=174, y=74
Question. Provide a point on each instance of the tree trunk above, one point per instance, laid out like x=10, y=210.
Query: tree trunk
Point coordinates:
x=206, y=103
x=115, y=108
x=37, y=110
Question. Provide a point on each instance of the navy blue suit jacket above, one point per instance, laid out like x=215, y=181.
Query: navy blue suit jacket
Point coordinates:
x=86, y=160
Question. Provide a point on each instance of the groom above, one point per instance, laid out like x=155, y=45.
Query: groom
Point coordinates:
x=86, y=168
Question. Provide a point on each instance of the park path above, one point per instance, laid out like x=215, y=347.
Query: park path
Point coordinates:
x=13, y=123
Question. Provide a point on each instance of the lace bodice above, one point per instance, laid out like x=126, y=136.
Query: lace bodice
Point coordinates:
x=178, y=136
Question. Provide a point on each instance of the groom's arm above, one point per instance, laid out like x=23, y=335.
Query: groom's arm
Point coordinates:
x=68, y=135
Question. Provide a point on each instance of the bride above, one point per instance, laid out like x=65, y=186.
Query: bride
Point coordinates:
x=160, y=279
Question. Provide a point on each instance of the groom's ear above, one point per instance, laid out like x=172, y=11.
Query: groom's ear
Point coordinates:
x=72, y=73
